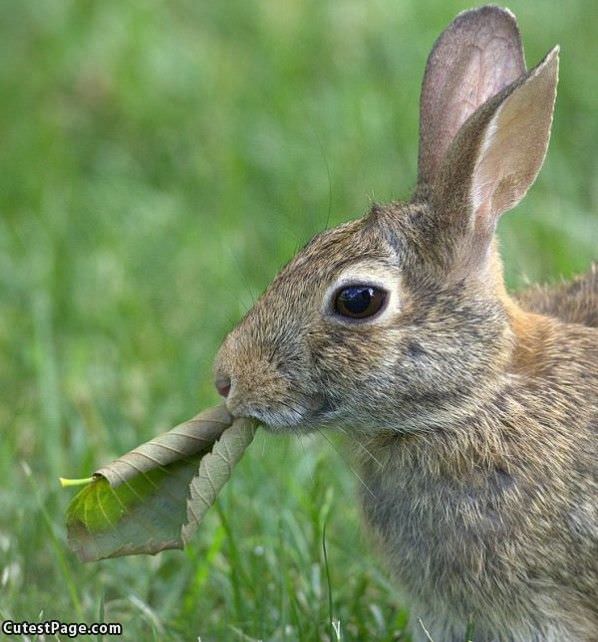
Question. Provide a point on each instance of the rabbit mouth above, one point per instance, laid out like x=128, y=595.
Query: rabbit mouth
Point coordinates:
x=305, y=417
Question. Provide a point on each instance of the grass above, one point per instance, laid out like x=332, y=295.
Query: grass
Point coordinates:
x=159, y=162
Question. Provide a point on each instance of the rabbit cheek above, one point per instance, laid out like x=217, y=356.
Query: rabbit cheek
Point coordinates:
x=354, y=370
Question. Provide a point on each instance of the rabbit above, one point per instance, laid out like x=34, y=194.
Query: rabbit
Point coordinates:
x=473, y=413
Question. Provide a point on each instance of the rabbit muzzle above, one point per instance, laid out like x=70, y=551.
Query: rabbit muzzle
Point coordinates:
x=257, y=386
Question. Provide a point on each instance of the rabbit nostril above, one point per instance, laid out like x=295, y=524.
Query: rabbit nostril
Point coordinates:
x=223, y=386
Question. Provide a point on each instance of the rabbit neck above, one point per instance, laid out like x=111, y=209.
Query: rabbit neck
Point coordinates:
x=533, y=335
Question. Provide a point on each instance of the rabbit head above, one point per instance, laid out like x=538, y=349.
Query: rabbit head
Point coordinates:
x=399, y=321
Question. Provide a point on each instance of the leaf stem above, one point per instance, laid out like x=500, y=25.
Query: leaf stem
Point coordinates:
x=65, y=483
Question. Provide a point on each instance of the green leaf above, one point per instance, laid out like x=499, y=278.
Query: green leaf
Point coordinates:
x=154, y=497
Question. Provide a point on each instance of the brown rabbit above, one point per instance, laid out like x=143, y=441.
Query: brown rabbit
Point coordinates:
x=476, y=413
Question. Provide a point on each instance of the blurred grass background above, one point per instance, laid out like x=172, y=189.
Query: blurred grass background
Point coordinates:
x=159, y=162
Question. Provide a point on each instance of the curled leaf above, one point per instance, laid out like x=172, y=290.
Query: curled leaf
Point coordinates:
x=154, y=497
x=214, y=471
x=185, y=440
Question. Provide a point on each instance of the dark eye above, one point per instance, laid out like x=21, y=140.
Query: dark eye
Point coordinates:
x=359, y=301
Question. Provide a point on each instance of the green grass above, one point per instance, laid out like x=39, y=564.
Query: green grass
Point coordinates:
x=158, y=163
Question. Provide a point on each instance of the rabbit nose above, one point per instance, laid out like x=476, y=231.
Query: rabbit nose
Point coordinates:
x=223, y=386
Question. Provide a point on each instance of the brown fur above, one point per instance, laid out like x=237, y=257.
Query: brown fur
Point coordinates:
x=475, y=414
x=573, y=302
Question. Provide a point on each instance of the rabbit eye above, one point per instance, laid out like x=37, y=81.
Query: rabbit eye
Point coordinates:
x=359, y=301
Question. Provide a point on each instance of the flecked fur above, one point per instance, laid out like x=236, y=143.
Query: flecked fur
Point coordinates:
x=475, y=414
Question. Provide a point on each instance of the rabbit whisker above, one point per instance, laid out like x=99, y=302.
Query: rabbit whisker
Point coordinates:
x=363, y=447
x=351, y=468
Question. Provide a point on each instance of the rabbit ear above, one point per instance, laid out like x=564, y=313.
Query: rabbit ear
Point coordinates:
x=475, y=57
x=498, y=153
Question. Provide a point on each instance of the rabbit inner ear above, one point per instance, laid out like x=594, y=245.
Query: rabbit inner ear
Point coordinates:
x=515, y=143
x=476, y=56
x=497, y=155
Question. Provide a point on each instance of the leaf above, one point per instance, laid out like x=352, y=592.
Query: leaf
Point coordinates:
x=154, y=497
x=185, y=440
x=214, y=471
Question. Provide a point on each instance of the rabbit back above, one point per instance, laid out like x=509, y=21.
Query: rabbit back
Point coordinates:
x=574, y=301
